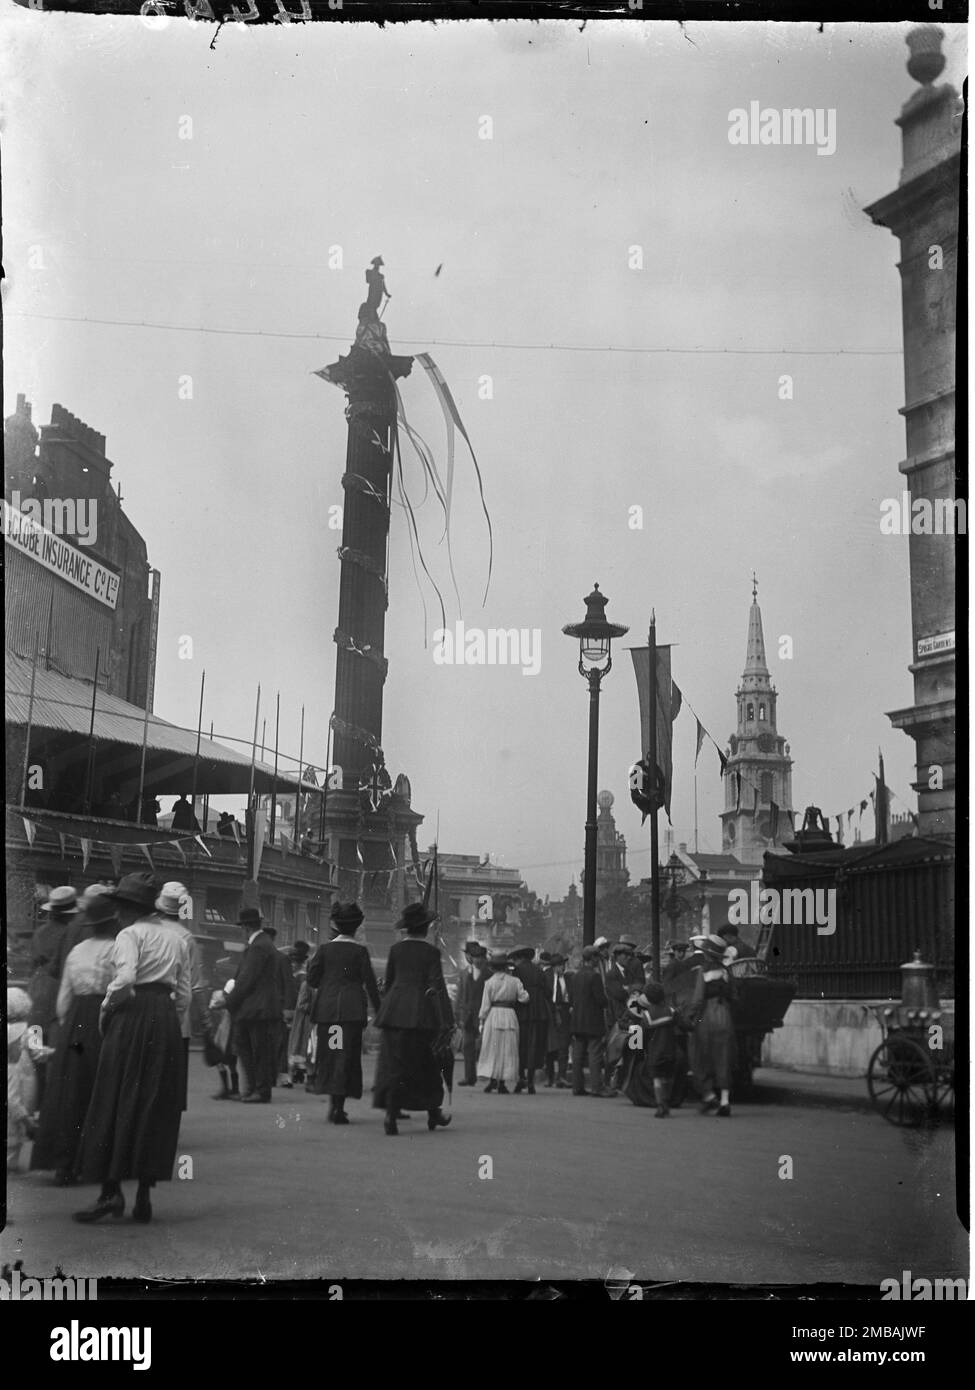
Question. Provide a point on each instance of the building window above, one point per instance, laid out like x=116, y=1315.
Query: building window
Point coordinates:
x=761, y=711
x=750, y=714
x=222, y=907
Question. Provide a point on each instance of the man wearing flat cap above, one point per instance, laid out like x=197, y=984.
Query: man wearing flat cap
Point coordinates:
x=470, y=992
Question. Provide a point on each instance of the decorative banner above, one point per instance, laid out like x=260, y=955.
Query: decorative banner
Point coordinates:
x=700, y=739
x=199, y=841
x=722, y=760
x=30, y=831
x=667, y=704
x=145, y=851
x=839, y=829
x=85, y=853
x=63, y=845
x=179, y=850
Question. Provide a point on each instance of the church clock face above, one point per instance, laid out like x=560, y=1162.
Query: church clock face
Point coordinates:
x=766, y=743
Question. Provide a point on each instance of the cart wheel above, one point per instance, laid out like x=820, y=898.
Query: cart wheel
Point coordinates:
x=942, y=1089
x=901, y=1080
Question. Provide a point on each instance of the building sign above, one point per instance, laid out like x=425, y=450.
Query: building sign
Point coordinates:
x=82, y=571
x=935, y=646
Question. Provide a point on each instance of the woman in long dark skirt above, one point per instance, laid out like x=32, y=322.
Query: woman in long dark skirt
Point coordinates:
x=71, y=1071
x=713, y=1039
x=415, y=1011
x=649, y=1068
x=341, y=973
x=132, y=1128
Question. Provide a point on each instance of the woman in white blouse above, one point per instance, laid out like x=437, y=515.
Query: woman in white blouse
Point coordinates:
x=71, y=1071
x=132, y=1127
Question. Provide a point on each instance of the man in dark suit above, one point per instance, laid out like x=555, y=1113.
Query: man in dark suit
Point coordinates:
x=532, y=1018
x=618, y=987
x=588, y=1023
x=470, y=992
x=559, y=1019
x=255, y=1005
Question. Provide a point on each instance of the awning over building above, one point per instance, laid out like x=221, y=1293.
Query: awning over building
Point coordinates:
x=60, y=724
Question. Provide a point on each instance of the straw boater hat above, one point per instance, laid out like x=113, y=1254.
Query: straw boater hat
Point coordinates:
x=168, y=902
x=62, y=902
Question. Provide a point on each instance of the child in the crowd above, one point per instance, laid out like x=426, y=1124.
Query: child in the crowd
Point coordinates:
x=25, y=1051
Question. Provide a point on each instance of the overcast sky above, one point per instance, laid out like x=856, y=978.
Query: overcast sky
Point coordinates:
x=320, y=136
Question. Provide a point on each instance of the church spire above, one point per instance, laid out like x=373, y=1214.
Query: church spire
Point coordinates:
x=755, y=663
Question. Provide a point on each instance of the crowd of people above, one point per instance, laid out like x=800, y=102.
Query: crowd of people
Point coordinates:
x=98, y=1045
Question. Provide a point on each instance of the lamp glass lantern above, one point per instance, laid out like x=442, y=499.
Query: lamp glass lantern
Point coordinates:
x=595, y=634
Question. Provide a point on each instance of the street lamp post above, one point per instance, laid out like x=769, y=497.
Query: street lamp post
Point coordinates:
x=595, y=636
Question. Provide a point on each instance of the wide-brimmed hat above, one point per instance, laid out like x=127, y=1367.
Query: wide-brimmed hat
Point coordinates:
x=728, y=929
x=62, y=902
x=93, y=891
x=589, y=952
x=139, y=889
x=474, y=948
x=621, y=948
x=100, y=910
x=414, y=916
x=521, y=951
x=346, y=917
x=170, y=897
x=713, y=943
x=600, y=941
x=628, y=941
x=249, y=917
x=498, y=961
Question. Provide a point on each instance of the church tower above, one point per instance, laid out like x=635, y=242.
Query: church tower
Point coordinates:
x=759, y=769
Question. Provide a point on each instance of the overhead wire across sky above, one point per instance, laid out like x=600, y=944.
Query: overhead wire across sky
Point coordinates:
x=454, y=342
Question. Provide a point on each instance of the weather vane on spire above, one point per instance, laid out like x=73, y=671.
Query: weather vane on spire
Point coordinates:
x=754, y=586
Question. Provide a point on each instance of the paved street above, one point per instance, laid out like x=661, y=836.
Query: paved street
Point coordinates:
x=579, y=1185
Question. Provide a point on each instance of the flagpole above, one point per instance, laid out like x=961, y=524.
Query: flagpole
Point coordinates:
x=301, y=773
x=654, y=841
x=196, y=756
x=142, y=759
x=250, y=793
x=695, y=808
x=274, y=784
x=90, y=769
x=30, y=718
x=206, y=795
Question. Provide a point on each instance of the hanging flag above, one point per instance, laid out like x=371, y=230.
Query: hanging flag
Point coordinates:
x=179, y=850
x=452, y=418
x=863, y=807
x=199, y=841
x=668, y=703
x=85, y=852
x=30, y=830
x=792, y=821
x=882, y=806
x=722, y=760
x=234, y=828
x=700, y=740
x=145, y=851
x=63, y=845
x=773, y=828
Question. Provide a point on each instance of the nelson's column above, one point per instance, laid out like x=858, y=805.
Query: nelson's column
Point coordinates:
x=369, y=825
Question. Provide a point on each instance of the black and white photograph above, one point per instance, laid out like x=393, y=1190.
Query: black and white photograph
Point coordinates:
x=480, y=526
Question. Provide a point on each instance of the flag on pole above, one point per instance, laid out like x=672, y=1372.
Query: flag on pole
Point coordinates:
x=882, y=806
x=700, y=741
x=668, y=703
x=30, y=831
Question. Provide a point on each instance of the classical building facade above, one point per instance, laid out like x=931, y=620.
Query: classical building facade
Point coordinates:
x=922, y=213
x=758, y=773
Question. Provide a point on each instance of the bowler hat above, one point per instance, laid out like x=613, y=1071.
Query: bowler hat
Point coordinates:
x=249, y=917
x=139, y=889
x=62, y=902
x=346, y=917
